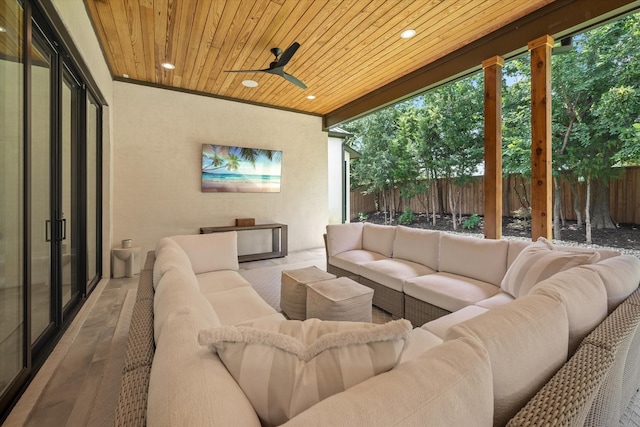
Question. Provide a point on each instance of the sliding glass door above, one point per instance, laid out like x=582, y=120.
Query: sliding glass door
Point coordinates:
x=50, y=193
x=68, y=188
x=42, y=226
x=12, y=289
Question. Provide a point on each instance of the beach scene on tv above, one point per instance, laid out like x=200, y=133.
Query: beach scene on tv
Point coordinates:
x=228, y=169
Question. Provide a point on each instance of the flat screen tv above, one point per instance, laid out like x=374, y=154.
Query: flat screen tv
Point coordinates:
x=228, y=169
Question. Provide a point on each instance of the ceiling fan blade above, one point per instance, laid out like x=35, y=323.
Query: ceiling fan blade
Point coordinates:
x=288, y=54
x=294, y=80
x=245, y=71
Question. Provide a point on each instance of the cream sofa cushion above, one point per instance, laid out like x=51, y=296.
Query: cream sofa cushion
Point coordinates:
x=344, y=237
x=189, y=385
x=392, y=272
x=351, y=260
x=584, y=297
x=176, y=292
x=515, y=247
x=288, y=366
x=169, y=256
x=537, y=262
x=416, y=245
x=450, y=385
x=527, y=343
x=441, y=325
x=501, y=298
x=378, y=238
x=449, y=291
x=620, y=276
x=211, y=252
x=420, y=341
x=221, y=280
x=238, y=305
x=481, y=259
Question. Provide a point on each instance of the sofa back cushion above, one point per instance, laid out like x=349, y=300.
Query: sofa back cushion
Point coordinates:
x=178, y=291
x=482, y=259
x=515, y=247
x=527, y=343
x=417, y=245
x=584, y=297
x=211, y=252
x=169, y=256
x=344, y=237
x=378, y=238
x=189, y=385
x=620, y=275
x=449, y=385
x=538, y=262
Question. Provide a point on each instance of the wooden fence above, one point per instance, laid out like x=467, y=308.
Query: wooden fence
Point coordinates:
x=624, y=197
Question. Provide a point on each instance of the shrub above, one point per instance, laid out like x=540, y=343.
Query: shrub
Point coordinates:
x=362, y=216
x=406, y=217
x=472, y=222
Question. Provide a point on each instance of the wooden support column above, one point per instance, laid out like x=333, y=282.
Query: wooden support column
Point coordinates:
x=493, y=147
x=541, y=183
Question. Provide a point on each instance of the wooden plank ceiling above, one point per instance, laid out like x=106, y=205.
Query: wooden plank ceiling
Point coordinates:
x=349, y=48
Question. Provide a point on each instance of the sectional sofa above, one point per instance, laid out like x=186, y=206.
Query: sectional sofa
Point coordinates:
x=424, y=274
x=205, y=349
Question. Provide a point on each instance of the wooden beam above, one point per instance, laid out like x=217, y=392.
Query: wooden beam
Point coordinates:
x=541, y=189
x=493, y=147
x=559, y=18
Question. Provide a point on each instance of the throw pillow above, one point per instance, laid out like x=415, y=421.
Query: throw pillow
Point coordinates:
x=538, y=262
x=285, y=367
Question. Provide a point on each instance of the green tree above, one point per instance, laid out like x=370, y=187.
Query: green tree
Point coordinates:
x=596, y=109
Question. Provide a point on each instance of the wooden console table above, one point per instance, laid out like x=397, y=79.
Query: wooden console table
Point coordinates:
x=278, y=244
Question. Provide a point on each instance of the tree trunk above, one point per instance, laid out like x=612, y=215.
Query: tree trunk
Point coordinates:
x=440, y=197
x=452, y=206
x=384, y=205
x=576, y=202
x=587, y=216
x=601, y=213
x=433, y=205
x=557, y=199
x=523, y=197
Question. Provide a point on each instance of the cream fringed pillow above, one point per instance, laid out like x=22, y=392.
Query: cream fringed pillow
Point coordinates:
x=285, y=367
x=538, y=262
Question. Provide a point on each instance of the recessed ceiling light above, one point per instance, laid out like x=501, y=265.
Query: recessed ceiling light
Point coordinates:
x=250, y=83
x=168, y=65
x=311, y=97
x=407, y=34
x=3, y=30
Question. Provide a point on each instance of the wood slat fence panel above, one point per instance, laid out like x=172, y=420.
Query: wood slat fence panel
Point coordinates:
x=624, y=197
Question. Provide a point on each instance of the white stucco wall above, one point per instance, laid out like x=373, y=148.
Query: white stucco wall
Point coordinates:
x=157, y=148
x=335, y=180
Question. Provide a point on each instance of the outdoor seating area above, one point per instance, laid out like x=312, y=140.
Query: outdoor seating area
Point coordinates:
x=200, y=303
x=320, y=213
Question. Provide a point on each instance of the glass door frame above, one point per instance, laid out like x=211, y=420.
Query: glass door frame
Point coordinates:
x=36, y=18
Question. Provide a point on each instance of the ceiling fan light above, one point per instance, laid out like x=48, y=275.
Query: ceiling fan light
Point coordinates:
x=249, y=83
x=407, y=34
x=168, y=65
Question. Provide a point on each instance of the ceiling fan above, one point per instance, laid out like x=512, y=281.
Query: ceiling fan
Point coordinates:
x=277, y=66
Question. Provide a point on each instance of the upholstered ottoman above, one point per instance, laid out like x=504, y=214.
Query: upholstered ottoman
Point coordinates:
x=339, y=299
x=293, y=290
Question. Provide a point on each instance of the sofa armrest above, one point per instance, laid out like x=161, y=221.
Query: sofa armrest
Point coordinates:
x=132, y=401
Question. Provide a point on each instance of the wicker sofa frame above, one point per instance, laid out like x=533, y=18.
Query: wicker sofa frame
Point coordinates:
x=136, y=371
x=591, y=389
